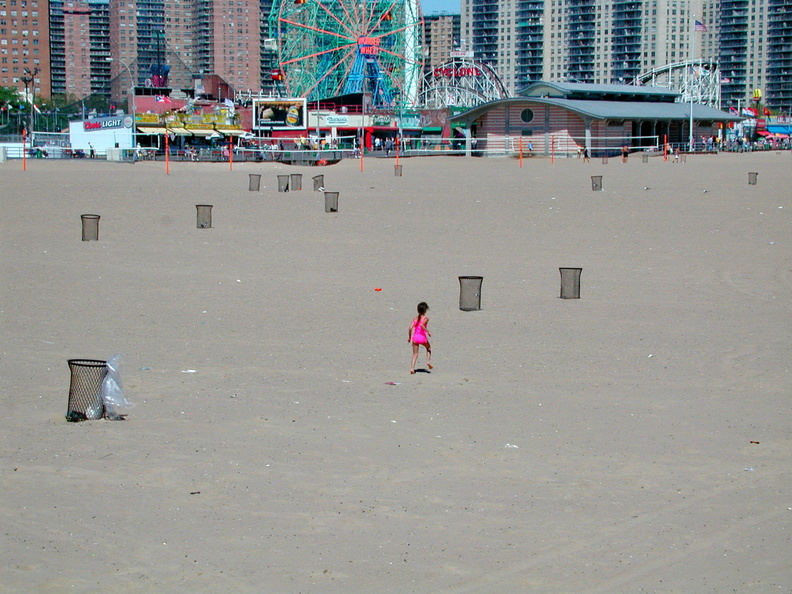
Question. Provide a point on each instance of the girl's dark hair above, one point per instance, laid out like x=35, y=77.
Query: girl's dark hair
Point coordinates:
x=422, y=307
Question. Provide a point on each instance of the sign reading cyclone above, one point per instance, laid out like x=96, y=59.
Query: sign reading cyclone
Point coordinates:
x=462, y=82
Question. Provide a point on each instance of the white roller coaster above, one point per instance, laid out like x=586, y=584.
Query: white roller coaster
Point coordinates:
x=696, y=80
x=460, y=83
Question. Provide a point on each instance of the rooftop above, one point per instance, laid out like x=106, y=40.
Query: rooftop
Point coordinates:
x=591, y=92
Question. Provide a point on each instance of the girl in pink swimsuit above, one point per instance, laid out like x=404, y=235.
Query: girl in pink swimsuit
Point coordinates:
x=419, y=335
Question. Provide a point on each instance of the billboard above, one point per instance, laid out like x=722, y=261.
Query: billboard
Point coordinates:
x=279, y=114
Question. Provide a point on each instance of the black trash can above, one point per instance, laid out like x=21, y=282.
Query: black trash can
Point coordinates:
x=204, y=216
x=331, y=201
x=752, y=175
x=85, y=389
x=296, y=181
x=596, y=183
x=283, y=183
x=470, y=292
x=318, y=181
x=570, y=283
x=90, y=227
x=397, y=170
x=254, y=182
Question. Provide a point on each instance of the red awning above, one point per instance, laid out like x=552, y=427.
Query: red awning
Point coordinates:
x=764, y=133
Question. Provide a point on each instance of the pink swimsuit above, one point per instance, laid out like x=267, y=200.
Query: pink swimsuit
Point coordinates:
x=419, y=332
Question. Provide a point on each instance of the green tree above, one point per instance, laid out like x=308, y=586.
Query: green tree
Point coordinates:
x=10, y=105
x=9, y=96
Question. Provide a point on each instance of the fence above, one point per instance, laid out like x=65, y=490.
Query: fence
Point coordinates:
x=310, y=151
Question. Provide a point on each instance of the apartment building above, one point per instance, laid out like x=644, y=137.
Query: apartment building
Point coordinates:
x=441, y=38
x=24, y=46
x=599, y=41
x=79, y=46
x=778, y=72
x=228, y=40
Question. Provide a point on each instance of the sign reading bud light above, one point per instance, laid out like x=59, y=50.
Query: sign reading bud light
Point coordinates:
x=279, y=114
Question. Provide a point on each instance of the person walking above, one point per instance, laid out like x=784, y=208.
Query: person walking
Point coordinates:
x=419, y=335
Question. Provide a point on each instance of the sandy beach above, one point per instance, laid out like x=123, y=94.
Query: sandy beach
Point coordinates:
x=634, y=440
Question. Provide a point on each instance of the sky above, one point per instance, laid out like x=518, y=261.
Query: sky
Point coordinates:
x=430, y=6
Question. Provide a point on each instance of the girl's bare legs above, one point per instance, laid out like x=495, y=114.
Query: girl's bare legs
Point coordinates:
x=428, y=348
x=414, y=357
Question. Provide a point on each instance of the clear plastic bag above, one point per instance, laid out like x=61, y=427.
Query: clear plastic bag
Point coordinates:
x=115, y=403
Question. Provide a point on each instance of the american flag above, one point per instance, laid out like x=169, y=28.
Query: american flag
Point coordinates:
x=700, y=27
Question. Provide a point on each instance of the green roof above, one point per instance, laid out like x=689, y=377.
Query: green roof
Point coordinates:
x=611, y=110
x=593, y=92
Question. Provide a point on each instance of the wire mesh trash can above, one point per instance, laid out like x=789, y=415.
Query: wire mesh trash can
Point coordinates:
x=397, y=170
x=752, y=175
x=90, y=227
x=85, y=389
x=204, y=220
x=283, y=183
x=570, y=283
x=296, y=181
x=645, y=158
x=331, y=201
x=470, y=292
x=318, y=181
x=254, y=182
x=596, y=183
x=604, y=160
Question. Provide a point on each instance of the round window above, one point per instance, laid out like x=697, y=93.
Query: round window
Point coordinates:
x=527, y=115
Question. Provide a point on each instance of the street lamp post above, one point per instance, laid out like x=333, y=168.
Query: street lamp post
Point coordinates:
x=26, y=80
x=131, y=81
x=132, y=95
x=30, y=79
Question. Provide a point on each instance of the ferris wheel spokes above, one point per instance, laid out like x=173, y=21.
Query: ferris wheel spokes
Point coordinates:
x=314, y=55
x=331, y=47
x=330, y=71
x=336, y=19
x=317, y=29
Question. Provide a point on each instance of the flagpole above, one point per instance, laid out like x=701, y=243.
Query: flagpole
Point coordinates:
x=690, y=82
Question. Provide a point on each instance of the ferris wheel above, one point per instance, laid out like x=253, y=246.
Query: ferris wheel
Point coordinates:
x=327, y=48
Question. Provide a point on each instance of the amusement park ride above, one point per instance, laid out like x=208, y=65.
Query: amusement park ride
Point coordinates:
x=327, y=48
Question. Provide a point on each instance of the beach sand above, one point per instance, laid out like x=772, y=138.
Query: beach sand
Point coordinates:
x=600, y=444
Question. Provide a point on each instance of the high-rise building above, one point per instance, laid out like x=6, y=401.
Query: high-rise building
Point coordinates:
x=441, y=38
x=754, y=36
x=614, y=41
x=24, y=46
x=79, y=47
x=778, y=81
x=594, y=41
x=228, y=41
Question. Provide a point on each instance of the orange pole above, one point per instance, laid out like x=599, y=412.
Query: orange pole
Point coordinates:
x=362, y=148
x=24, y=150
x=665, y=148
x=521, y=152
x=230, y=153
x=398, y=145
x=167, y=155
